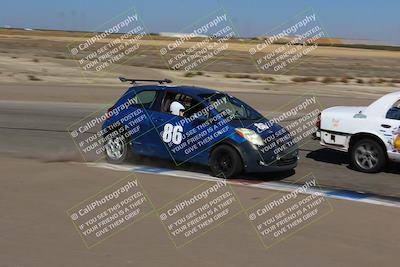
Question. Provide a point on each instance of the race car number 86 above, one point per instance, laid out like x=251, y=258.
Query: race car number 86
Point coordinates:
x=172, y=133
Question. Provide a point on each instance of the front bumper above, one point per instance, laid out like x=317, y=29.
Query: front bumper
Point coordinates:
x=394, y=156
x=269, y=169
x=255, y=161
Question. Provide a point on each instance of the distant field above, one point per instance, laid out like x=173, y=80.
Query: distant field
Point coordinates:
x=333, y=42
x=326, y=61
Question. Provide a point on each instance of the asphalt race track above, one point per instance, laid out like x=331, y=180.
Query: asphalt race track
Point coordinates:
x=39, y=130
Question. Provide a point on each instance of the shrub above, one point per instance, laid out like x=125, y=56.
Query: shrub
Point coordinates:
x=269, y=79
x=33, y=78
x=238, y=76
x=304, y=79
x=328, y=80
x=395, y=81
x=248, y=76
x=192, y=74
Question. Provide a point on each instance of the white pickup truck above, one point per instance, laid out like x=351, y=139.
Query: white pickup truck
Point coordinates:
x=370, y=134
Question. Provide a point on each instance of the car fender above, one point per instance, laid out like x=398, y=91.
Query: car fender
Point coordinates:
x=372, y=134
x=237, y=146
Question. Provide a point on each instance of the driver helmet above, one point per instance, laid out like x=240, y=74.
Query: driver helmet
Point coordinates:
x=176, y=108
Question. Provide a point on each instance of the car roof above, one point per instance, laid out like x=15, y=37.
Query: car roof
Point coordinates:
x=189, y=90
x=379, y=107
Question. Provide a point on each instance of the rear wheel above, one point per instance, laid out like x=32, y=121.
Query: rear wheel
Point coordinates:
x=225, y=162
x=367, y=155
x=117, y=149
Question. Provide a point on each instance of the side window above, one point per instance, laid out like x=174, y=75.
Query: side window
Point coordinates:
x=195, y=108
x=394, y=112
x=179, y=104
x=144, y=99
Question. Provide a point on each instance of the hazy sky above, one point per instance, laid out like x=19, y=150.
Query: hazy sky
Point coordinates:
x=353, y=19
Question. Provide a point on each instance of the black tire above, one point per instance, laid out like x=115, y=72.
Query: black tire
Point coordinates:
x=124, y=147
x=367, y=155
x=225, y=162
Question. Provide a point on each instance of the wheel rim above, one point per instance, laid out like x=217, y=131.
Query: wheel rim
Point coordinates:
x=115, y=148
x=224, y=163
x=367, y=156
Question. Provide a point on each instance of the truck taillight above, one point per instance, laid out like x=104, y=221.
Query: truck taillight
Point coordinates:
x=109, y=112
x=318, y=122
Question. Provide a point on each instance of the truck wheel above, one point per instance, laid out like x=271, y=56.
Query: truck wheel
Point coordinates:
x=225, y=162
x=117, y=149
x=367, y=155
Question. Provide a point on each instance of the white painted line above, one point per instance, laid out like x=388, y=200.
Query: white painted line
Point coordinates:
x=275, y=186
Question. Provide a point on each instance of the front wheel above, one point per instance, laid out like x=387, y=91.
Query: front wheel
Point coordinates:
x=117, y=149
x=225, y=162
x=368, y=156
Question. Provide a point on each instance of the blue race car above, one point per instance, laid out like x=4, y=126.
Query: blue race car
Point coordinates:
x=196, y=125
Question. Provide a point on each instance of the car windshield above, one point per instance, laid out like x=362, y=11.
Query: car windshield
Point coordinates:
x=239, y=109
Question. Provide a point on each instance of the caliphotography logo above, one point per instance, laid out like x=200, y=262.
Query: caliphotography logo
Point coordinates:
x=117, y=40
x=289, y=44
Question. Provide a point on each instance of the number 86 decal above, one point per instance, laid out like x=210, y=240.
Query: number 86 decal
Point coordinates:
x=172, y=133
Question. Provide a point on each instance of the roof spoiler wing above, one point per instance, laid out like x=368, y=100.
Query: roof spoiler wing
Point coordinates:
x=134, y=81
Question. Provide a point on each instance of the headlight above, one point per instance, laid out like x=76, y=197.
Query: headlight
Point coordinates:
x=250, y=136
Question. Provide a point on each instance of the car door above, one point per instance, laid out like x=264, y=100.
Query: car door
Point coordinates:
x=137, y=122
x=390, y=125
x=150, y=143
x=174, y=131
